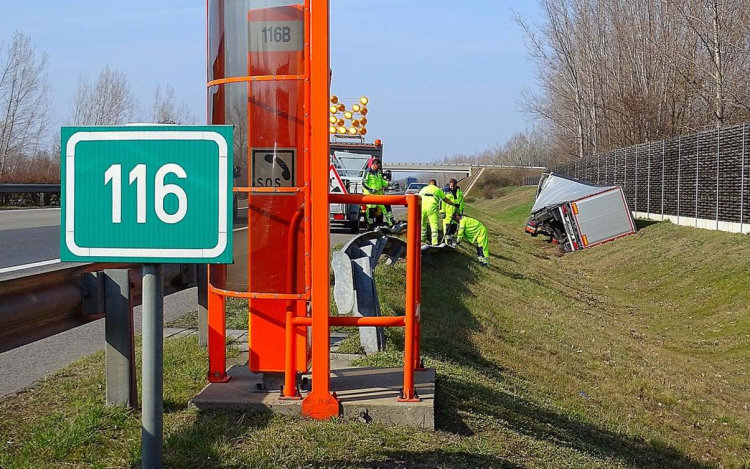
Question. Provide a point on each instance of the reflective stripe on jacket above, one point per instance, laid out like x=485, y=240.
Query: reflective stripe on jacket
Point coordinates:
x=431, y=196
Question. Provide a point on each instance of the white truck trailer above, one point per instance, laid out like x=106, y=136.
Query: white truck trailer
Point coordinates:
x=578, y=215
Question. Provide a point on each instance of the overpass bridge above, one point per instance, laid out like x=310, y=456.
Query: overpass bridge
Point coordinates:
x=472, y=171
x=466, y=168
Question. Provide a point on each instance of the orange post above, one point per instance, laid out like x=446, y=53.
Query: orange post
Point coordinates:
x=413, y=244
x=217, y=330
x=320, y=403
x=418, y=365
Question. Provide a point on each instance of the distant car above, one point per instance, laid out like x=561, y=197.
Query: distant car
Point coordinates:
x=415, y=187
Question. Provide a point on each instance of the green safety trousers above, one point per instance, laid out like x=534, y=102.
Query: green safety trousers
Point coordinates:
x=385, y=210
x=431, y=217
x=448, y=223
x=482, y=244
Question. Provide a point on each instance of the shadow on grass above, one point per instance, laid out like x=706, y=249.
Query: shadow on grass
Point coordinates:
x=447, y=328
x=425, y=459
x=528, y=418
x=201, y=444
x=641, y=223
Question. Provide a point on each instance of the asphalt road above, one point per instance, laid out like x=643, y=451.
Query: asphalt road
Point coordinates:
x=32, y=237
x=29, y=237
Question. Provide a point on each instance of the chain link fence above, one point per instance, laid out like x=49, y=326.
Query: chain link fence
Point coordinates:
x=531, y=180
x=694, y=180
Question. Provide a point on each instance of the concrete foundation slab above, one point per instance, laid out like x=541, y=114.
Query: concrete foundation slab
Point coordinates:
x=367, y=394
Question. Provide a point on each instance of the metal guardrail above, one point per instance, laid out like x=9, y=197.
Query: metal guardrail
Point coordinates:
x=23, y=195
x=354, y=288
x=40, y=305
x=29, y=188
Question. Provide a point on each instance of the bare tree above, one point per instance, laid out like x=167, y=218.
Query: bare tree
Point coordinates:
x=614, y=73
x=165, y=109
x=24, y=102
x=108, y=101
x=529, y=148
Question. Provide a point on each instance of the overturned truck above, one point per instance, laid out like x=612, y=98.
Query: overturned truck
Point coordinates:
x=578, y=215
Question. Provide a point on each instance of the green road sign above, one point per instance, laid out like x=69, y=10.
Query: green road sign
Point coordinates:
x=147, y=194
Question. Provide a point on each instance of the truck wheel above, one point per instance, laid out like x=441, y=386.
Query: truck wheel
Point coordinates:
x=354, y=226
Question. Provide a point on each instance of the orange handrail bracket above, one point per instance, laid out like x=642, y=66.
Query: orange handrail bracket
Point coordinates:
x=290, y=390
x=369, y=199
x=357, y=321
x=217, y=331
x=320, y=403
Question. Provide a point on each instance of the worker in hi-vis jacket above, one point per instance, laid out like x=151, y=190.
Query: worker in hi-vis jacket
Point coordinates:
x=473, y=231
x=431, y=196
x=453, y=193
x=375, y=183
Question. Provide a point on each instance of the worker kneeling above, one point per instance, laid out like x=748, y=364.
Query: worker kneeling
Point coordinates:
x=431, y=196
x=473, y=231
x=375, y=183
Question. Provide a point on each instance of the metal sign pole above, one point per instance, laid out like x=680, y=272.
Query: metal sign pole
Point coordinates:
x=153, y=367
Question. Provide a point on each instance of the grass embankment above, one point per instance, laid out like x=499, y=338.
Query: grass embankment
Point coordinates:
x=236, y=316
x=632, y=354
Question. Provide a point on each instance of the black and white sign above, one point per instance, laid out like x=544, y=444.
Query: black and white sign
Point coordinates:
x=274, y=167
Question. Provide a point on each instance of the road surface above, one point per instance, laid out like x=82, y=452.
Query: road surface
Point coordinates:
x=30, y=239
x=29, y=243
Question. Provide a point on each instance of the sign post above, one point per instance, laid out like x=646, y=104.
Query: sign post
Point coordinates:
x=151, y=195
x=153, y=366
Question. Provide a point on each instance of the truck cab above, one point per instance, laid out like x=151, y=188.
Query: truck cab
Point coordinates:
x=351, y=160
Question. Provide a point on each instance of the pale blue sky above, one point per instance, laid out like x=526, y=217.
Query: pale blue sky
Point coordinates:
x=442, y=76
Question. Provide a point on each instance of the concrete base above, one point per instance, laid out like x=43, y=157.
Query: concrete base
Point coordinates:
x=366, y=394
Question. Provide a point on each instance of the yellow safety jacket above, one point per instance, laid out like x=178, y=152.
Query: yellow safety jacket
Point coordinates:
x=457, y=199
x=374, y=182
x=431, y=197
x=472, y=230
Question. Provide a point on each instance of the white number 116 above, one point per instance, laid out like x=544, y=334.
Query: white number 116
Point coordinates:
x=161, y=190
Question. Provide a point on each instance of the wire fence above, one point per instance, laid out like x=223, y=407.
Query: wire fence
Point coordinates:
x=531, y=180
x=695, y=180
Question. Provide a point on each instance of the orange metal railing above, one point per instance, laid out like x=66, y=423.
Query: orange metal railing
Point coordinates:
x=410, y=321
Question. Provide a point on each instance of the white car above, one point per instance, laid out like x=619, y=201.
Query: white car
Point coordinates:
x=415, y=187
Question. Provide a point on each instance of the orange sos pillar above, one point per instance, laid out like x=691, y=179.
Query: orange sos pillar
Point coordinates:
x=269, y=76
x=257, y=64
x=278, y=173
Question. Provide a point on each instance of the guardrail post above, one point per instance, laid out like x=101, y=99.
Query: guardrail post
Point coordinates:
x=120, y=345
x=92, y=286
x=202, y=272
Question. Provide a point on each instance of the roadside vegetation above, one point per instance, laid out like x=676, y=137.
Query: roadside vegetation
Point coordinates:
x=630, y=355
x=236, y=316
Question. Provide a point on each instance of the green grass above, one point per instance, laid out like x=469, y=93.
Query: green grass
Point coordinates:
x=236, y=316
x=632, y=354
